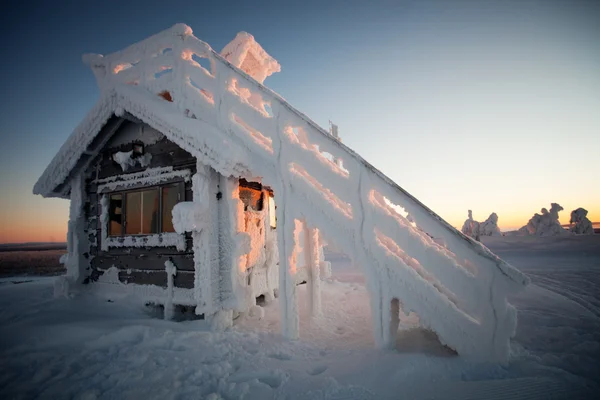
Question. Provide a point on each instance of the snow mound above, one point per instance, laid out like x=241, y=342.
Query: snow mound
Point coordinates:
x=580, y=224
x=546, y=224
x=471, y=227
x=489, y=227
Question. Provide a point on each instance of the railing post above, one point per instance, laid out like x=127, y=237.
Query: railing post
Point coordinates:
x=311, y=259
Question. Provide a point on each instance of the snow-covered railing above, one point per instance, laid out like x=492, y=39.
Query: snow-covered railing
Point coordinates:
x=460, y=287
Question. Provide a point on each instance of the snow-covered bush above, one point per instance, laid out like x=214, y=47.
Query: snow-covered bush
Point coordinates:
x=546, y=224
x=471, y=227
x=580, y=224
x=489, y=227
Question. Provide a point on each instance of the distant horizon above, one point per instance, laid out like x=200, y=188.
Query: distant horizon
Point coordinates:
x=595, y=225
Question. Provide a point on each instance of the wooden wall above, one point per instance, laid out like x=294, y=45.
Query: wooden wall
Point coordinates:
x=137, y=265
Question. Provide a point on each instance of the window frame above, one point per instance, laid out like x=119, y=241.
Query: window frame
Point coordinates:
x=123, y=192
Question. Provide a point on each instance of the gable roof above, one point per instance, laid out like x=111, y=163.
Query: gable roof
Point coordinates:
x=228, y=120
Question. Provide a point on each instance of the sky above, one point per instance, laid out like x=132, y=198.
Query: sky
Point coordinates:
x=492, y=106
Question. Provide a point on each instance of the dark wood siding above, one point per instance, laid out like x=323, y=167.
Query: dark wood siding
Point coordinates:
x=137, y=265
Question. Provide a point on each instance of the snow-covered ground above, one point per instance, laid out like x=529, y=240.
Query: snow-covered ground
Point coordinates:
x=89, y=348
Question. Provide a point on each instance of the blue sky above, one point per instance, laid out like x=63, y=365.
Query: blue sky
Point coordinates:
x=488, y=105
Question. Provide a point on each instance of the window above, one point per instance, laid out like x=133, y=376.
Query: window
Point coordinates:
x=272, y=212
x=170, y=197
x=251, y=195
x=115, y=214
x=145, y=211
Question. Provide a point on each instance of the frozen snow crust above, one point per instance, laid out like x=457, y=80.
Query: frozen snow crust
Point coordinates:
x=231, y=122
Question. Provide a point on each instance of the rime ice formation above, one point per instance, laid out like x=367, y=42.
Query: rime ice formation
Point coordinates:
x=546, y=224
x=580, y=224
x=489, y=227
x=171, y=271
x=126, y=159
x=237, y=128
x=471, y=227
x=250, y=57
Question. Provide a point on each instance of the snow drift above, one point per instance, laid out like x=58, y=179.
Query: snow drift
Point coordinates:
x=580, y=224
x=546, y=224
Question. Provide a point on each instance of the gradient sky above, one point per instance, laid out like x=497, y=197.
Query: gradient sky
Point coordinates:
x=482, y=105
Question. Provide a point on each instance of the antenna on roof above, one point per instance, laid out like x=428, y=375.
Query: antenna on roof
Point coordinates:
x=333, y=131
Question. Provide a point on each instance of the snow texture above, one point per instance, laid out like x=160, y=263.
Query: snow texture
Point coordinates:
x=167, y=239
x=91, y=348
x=110, y=287
x=230, y=122
x=580, y=224
x=130, y=133
x=126, y=159
x=189, y=216
x=150, y=176
x=246, y=54
x=546, y=224
x=205, y=276
x=171, y=271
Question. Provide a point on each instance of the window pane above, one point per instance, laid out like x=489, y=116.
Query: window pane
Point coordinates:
x=272, y=213
x=150, y=215
x=115, y=214
x=134, y=213
x=170, y=198
x=252, y=198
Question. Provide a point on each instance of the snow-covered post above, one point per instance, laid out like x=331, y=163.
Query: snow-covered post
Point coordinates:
x=312, y=261
x=171, y=271
x=287, y=234
x=194, y=217
x=77, y=242
x=200, y=237
x=288, y=297
x=236, y=245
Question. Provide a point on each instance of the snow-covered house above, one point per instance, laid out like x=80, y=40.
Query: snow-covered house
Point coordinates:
x=174, y=175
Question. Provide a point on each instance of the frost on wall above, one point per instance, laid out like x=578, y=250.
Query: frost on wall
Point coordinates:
x=544, y=224
x=489, y=227
x=249, y=56
x=471, y=227
x=126, y=159
x=579, y=223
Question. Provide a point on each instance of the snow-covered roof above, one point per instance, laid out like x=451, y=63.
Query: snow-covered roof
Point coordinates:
x=222, y=115
x=249, y=56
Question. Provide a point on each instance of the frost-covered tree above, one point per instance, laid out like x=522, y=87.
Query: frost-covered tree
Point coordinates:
x=471, y=227
x=546, y=224
x=580, y=224
x=489, y=227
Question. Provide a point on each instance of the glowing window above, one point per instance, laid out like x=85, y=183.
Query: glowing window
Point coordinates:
x=272, y=213
x=143, y=212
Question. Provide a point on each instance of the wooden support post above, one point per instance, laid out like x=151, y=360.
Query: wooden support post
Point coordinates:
x=311, y=259
x=77, y=241
x=287, y=241
x=203, y=275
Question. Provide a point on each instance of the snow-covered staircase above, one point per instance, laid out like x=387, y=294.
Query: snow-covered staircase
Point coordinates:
x=412, y=259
